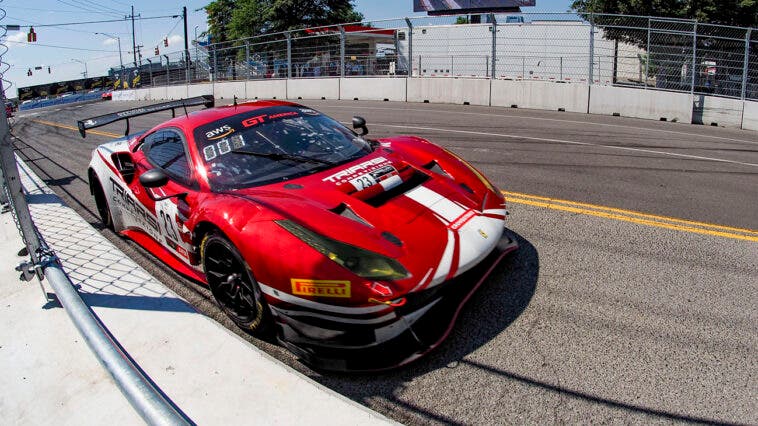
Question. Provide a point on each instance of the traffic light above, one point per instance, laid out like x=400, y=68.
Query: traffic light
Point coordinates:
x=32, y=36
x=157, y=51
x=48, y=70
x=165, y=42
x=29, y=73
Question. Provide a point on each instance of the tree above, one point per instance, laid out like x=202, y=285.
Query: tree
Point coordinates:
x=743, y=13
x=235, y=19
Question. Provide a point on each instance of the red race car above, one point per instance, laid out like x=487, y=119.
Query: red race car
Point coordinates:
x=358, y=254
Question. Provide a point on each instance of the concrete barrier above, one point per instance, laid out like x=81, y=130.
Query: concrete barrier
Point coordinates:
x=553, y=96
x=750, y=115
x=650, y=104
x=229, y=89
x=373, y=89
x=314, y=88
x=142, y=94
x=711, y=110
x=199, y=90
x=176, y=92
x=158, y=93
x=449, y=90
x=266, y=89
x=124, y=95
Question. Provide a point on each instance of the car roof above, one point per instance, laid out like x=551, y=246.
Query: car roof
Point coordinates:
x=204, y=116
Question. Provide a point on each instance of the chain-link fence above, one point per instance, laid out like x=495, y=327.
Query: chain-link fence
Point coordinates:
x=634, y=51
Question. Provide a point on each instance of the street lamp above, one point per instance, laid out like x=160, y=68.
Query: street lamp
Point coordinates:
x=120, y=59
x=85, y=66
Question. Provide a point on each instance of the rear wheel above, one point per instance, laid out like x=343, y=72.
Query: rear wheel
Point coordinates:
x=101, y=201
x=233, y=286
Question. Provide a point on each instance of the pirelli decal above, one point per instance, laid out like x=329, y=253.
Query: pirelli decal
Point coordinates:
x=321, y=288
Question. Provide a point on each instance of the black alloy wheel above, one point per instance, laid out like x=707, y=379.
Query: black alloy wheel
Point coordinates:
x=233, y=286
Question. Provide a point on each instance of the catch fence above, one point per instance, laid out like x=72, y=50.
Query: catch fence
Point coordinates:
x=634, y=51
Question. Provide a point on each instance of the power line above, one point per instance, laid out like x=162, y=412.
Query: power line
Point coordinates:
x=59, y=47
x=98, y=22
x=79, y=5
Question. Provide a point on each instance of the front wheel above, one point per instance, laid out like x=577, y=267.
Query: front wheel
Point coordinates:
x=233, y=286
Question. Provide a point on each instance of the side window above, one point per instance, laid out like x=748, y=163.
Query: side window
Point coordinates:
x=165, y=149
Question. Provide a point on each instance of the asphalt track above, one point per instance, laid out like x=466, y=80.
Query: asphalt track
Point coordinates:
x=633, y=296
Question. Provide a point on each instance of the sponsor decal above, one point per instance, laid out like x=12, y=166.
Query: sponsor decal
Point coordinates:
x=123, y=199
x=308, y=111
x=283, y=115
x=254, y=121
x=462, y=220
x=220, y=132
x=353, y=172
x=89, y=123
x=385, y=175
x=321, y=288
x=483, y=234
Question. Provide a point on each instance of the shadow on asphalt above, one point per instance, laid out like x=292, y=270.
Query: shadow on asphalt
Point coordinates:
x=494, y=307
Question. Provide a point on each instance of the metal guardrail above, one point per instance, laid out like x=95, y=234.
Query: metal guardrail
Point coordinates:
x=646, y=52
x=144, y=397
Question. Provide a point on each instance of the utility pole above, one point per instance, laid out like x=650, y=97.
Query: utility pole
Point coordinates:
x=186, y=40
x=134, y=43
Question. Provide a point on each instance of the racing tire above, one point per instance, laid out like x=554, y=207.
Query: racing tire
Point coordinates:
x=233, y=286
x=101, y=201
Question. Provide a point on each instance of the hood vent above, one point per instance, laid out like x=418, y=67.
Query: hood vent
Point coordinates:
x=435, y=167
x=346, y=212
x=415, y=179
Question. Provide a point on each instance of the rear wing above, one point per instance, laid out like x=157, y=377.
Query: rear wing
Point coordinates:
x=102, y=120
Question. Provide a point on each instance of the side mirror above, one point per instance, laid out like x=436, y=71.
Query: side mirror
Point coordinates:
x=153, y=178
x=360, y=123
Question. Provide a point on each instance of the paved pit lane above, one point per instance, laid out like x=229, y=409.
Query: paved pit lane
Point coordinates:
x=631, y=300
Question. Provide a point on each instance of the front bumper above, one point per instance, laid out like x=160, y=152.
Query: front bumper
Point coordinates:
x=404, y=335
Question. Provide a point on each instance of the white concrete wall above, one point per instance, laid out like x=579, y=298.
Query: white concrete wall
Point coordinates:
x=373, y=89
x=650, y=104
x=449, y=90
x=750, y=115
x=313, y=88
x=199, y=90
x=266, y=89
x=571, y=97
x=711, y=110
x=228, y=89
x=142, y=94
x=124, y=95
x=158, y=93
x=176, y=92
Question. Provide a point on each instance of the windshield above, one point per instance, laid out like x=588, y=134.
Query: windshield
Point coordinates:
x=272, y=145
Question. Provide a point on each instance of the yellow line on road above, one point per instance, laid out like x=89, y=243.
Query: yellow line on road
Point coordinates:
x=66, y=126
x=629, y=216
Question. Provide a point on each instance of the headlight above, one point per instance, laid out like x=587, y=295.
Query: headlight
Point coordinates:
x=361, y=262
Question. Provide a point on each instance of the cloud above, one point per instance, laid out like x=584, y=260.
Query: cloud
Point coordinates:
x=17, y=36
x=175, y=40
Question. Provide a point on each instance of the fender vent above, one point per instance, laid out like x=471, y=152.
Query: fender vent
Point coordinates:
x=346, y=212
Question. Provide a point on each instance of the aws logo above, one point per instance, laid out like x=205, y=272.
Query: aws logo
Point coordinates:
x=219, y=133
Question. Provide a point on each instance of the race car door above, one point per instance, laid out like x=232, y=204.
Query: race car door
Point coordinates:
x=166, y=149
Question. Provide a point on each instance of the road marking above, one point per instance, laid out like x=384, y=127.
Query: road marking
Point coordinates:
x=633, y=216
x=558, y=120
x=66, y=126
x=568, y=142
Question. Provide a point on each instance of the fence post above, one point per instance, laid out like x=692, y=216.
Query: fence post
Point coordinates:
x=410, y=48
x=168, y=70
x=247, y=59
x=745, y=63
x=694, y=57
x=215, y=65
x=494, y=43
x=289, y=54
x=647, y=56
x=342, y=51
x=591, y=78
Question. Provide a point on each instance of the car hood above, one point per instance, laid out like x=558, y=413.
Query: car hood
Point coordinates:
x=394, y=203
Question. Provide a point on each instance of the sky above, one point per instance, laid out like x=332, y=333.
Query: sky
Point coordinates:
x=66, y=50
